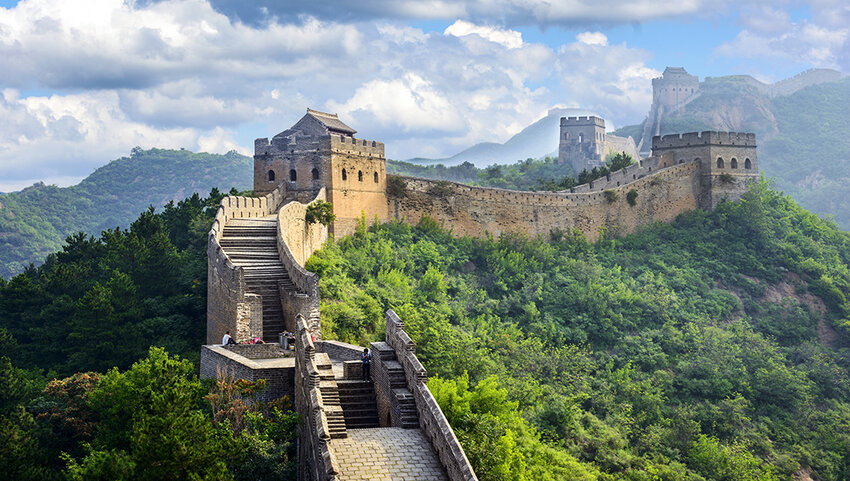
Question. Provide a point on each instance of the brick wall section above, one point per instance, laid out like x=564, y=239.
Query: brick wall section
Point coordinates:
x=431, y=418
x=316, y=460
x=340, y=350
x=238, y=361
x=296, y=242
x=473, y=211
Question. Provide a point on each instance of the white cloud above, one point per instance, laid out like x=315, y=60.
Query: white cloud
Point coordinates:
x=592, y=38
x=508, y=38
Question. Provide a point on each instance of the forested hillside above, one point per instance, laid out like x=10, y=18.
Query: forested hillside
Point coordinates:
x=35, y=221
x=803, y=138
x=713, y=348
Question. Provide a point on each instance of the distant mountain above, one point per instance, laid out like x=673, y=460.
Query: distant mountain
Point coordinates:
x=35, y=221
x=537, y=140
x=803, y=137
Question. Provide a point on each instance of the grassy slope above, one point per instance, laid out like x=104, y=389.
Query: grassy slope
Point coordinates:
x=36, y=220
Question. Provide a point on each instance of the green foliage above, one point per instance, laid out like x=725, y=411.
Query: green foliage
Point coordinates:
x=631, y=197
x=689, y=350
x=611, y=195
x=441, y=188
x=726, y=178
x=37, y=220
x=320, y=212
x=396, y=185
x=619, y=161
x=100, y=303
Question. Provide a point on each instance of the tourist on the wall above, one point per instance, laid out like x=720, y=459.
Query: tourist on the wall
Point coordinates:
x=366, y=360
x=226, y=340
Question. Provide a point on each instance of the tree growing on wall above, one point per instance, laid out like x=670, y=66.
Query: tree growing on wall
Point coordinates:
x=396, y=186
x=320, y=212
x=631, y=197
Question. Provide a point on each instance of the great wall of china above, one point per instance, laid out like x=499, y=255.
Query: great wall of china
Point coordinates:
x=258, y=287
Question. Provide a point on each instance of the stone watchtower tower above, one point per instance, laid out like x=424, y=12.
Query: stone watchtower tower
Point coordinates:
x=674, y=88
x=321, y=151
x=727, y=161
x=582, y=142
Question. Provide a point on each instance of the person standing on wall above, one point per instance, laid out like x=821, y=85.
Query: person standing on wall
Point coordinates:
x=366, y=360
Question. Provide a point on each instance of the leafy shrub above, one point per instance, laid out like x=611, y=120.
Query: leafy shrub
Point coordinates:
x=441, y=188
x=726, y=178
x=611, y=196
x=320, y=212
x=396, y=186
x=631, y=197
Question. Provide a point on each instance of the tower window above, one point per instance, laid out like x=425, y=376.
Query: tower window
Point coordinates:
x=360, y=175
x=747, y=164
x=293, y=176
x=271, y=176
x=315, y=173
x=720, y=162
x=734, y=163
x=376, y=177
x=344, y=175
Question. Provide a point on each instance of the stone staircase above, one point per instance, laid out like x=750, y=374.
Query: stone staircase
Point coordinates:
x=358, y=404
x=330, y=397
x=251, y=243
x=398, y=384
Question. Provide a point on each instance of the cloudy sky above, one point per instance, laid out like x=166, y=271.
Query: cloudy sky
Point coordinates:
x=84, y=81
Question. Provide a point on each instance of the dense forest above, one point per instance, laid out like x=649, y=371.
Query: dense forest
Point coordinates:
x=35, y=221
x=712, y=348
x=86, y=395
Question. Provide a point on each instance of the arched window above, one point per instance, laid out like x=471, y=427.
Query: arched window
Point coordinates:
x=315, y=173
x=581, y=138
x=360, y=175
x=271, y=176
x=681, y=161
x=566, y=136
x=747, y=164
x=344, y=175
x=733, y=163
x=720, y=162
x=292, y=175
x=376, y=177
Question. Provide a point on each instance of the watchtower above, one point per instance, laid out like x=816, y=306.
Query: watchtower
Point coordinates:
x=674, y=88
x=727, y=161
x=321, y=151
x=582, y=142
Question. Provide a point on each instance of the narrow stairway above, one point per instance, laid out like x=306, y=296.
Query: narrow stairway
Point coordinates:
x=359, y=405
x=398, y=384
x=251, y=243
x=330, y=397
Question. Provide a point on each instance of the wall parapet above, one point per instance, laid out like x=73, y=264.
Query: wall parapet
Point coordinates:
x=291, y=221
x=316, y=456
x=369, y=148
x=433, y=422
x=708, y=137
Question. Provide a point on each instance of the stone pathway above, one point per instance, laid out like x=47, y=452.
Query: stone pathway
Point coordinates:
x=387, y=454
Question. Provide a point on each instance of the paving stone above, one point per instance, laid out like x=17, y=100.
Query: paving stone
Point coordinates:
x=387, y=454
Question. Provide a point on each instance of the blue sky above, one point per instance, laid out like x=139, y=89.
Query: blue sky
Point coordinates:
x=84, y=81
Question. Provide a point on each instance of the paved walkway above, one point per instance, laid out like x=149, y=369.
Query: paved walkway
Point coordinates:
x=387, y=454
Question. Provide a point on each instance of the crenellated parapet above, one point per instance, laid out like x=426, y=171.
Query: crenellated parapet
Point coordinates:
x=354, y=146
x=706, y=138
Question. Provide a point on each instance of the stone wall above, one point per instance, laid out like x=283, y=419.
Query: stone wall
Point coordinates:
x=591, y=209
x=340, y=350
x=227, y=307
x=432, y=421
x=240, y=361
x=316, y=460
x=296, y=242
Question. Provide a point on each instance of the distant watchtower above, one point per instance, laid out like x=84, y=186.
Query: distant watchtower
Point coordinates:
x=674, y=88
x=582, y=142
x=321, y=151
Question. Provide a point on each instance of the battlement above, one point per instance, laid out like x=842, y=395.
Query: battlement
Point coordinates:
x=344, y=143
x=708, y=137
x=582, y=121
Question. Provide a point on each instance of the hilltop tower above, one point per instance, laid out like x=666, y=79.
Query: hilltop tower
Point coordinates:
x=674, y=88
x=582, y=142
x=321, y=151
x=727, y=161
